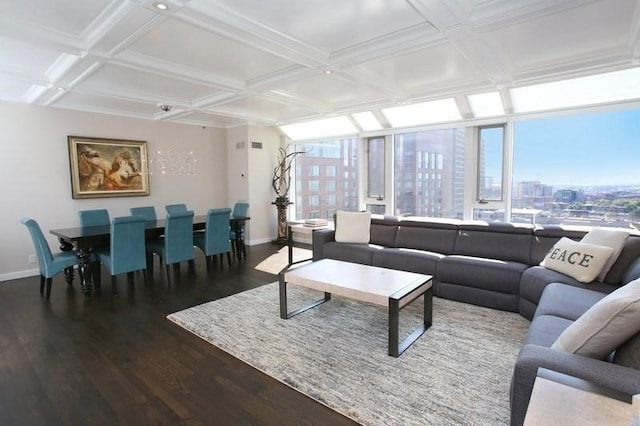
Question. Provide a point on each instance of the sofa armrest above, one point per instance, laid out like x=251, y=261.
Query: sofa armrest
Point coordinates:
x=320, y=238
x=531, y=357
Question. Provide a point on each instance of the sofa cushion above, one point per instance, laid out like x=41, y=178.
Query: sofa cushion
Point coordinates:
x=534, y=281
x=383, y=230
x=353, y=227
x=502, y=241
x=356, y=253
x=566, y=301
x=545, y=329
x=438, y=236
x=578, y=260
x=629, y=353
x=545, y=236
x=488, y=274
x=411, y=260
x=605, y=326
x=608, y=237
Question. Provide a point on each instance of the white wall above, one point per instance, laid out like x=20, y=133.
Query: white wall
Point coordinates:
x=261, y=194
x=36, y=181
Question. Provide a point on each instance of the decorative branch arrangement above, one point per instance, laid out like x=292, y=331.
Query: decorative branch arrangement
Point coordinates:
x=282, y=172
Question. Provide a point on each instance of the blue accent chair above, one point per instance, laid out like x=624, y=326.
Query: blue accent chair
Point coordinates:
x=98, y=217
x=175, y=208
x=240, y=209
x=215, y=238
x=127, y=250
x=49, y=264
x=177, y=243
x=149, y=212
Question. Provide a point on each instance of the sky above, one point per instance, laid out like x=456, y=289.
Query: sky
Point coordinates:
x=589, y=149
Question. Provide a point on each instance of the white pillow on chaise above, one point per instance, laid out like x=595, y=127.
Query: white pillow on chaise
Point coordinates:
x=605, y=326
x=608, y=237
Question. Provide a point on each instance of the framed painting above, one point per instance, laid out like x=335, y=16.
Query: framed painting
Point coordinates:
x=107, y=167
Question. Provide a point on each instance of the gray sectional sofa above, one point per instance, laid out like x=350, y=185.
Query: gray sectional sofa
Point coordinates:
x=496, y=265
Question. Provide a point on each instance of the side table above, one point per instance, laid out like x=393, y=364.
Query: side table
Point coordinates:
x=560, y=399
x=300, y=228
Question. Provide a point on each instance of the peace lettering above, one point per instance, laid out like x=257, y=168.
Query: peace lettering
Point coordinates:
x=573, y=257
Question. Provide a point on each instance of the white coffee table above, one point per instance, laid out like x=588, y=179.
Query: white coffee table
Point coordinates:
x=381, y=286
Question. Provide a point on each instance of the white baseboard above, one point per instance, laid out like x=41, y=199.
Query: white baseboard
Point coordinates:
x=19, y=274
x=259, y=241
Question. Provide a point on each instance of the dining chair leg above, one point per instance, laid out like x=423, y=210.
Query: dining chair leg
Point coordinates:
x=144, y=276
x=114, y=284
x=228, y=258
x=42, y=278
x=96, y=274
x=48, y=294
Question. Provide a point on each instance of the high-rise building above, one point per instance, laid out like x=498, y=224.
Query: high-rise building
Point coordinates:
x=429, y=173
x=326, y=179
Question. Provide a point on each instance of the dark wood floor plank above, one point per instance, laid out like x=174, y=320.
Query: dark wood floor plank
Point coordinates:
x=116, y=359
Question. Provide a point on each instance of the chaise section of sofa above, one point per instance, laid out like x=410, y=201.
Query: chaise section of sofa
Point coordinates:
x=560, y=305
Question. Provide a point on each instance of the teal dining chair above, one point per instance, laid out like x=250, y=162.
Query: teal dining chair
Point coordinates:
x=95, y=217
x=175, y=208
x=215, y=238
x=49, y=264
x=127, y=250
x=177, y=243
x=149, y=212
x=236, y=235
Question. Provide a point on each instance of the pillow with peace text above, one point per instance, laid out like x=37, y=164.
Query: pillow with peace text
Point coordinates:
x=581, y=261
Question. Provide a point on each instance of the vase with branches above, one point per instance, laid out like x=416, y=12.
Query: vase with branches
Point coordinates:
x=281, y=183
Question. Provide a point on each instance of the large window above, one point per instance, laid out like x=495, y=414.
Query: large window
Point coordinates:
x=490, y=159
x=326, y=178
x=375, y=168
x=579, y=170
x=429, y=173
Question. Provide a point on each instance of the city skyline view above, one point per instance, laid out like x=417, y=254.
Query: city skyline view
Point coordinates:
x=606, y=154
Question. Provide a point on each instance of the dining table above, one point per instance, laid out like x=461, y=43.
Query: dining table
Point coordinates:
x=83, y=239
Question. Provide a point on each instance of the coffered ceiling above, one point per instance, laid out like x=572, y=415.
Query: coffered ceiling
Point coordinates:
x=225, y=63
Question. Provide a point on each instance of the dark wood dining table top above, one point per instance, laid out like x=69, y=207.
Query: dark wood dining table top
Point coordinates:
x=88, y=236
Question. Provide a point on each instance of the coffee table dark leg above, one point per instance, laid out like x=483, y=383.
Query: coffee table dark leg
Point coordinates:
x=284, y=313
x=397, y=348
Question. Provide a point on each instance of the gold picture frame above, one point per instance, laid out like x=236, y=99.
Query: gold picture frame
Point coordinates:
x=108, y=167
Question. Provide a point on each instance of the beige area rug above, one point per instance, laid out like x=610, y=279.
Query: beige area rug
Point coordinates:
x=277, y=261
x=457, y=373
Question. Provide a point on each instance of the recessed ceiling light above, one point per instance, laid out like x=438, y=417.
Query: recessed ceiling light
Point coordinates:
x=328, y=72
x=60, y=89
x=160, y=6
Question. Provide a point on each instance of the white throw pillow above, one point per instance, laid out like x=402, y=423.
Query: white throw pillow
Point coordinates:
x=353, y=227
x=605, y=326
x=580, y=261
x=608, y=237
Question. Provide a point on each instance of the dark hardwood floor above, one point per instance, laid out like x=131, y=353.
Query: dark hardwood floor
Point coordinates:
x=116, y=360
